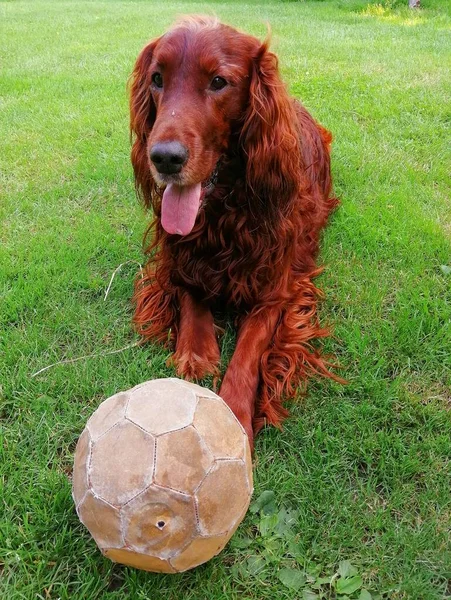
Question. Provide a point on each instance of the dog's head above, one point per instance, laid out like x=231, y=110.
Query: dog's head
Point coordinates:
x=193, y=90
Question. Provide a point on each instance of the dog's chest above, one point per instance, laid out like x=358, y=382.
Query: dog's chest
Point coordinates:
x=222, y=264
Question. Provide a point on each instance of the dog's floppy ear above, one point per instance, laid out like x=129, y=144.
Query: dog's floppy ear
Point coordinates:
x=270, y=137
x=142, y=119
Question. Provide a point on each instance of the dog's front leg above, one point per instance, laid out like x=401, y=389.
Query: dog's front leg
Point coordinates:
x=197, y=351
x=240, y=384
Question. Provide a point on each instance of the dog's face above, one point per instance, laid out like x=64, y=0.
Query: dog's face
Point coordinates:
x=194, y=90
x=198, y=78
x=199, y=85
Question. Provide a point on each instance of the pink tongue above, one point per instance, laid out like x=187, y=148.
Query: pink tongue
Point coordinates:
x=179, y=208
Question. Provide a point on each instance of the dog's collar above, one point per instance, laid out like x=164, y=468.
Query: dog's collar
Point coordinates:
x=211, y=182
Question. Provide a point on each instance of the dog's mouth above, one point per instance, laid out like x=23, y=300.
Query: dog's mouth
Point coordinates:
x=180, y=204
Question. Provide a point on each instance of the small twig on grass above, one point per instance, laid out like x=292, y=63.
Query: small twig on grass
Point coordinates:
x=116, y=270
x=97, y=354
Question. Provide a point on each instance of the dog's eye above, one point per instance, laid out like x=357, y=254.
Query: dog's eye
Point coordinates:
x=157, y=79
x=217, y=83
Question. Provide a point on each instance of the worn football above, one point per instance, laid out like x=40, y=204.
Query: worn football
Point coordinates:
x=162, y=476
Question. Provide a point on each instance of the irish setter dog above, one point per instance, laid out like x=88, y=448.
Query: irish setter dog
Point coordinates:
x=238, y=176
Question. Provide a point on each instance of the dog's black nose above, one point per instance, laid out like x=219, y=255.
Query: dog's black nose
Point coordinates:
x=168, y=157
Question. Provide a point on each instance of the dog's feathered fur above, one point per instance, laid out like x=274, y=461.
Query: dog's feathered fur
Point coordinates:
x=253, y=246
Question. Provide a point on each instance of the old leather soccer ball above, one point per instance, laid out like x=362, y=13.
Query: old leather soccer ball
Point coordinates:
x=162, y=476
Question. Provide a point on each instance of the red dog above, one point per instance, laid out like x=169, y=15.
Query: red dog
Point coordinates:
x=238, y=176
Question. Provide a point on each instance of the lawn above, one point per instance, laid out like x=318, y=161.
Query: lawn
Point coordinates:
x=353, y=498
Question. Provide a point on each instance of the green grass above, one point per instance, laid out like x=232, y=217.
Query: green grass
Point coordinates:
x=366, y=466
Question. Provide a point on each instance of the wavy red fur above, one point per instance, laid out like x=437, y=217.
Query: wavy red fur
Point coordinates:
x=253, y=246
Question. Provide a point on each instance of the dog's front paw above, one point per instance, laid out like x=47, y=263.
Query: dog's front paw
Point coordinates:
x=193, y=365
